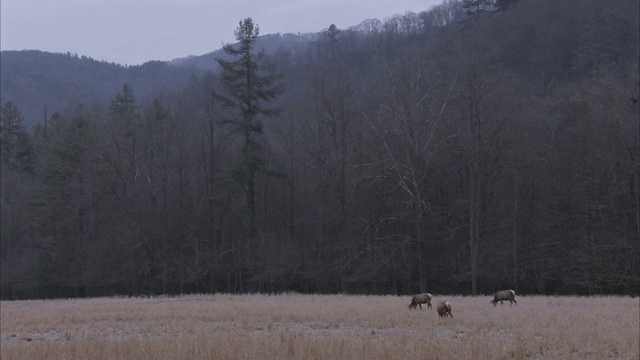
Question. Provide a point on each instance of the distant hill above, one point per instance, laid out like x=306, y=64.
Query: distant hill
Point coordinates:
x=40, y=82
x=533, y=39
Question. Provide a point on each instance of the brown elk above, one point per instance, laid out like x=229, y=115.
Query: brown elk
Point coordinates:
x=444, y=309
x=504, y=295
x=420, y=299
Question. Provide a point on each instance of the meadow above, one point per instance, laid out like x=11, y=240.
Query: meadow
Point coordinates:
x=295, y=326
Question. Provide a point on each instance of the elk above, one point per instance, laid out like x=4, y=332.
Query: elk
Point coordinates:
x=420, y=299
x=504, y=295
x=444, y=309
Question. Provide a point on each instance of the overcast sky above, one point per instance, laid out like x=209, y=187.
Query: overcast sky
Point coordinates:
x=132, y=32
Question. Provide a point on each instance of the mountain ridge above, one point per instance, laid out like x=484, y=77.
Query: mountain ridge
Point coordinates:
x=40, y=82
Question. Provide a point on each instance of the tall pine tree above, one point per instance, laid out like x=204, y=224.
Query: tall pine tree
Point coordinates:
x=15, y=142
x=250, y=83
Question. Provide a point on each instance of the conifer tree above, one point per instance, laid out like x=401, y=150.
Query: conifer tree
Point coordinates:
x=15, y=142
x=249, y=83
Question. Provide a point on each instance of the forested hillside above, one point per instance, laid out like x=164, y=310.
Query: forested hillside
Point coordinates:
x=473, y=146
x=41, y=83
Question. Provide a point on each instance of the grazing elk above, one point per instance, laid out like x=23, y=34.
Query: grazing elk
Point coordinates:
x=420, y=299
x=444, y=309
x=504, y=295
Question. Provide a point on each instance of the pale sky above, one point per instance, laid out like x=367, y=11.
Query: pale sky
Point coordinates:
x=132, y=32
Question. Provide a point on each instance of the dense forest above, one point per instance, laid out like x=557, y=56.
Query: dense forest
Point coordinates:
x=473, y=146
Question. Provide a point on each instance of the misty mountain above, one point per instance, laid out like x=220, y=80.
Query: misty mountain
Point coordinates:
x=40, y=82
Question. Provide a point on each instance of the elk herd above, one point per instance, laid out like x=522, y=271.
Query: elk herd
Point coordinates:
x=444, y=307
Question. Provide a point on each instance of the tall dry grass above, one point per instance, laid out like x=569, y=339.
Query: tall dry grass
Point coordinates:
x=293, y=326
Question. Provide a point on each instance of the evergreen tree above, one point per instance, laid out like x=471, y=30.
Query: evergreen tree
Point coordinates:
x=331, y=39
x=249, y=83
x=67, y=201
x=15, y=142
x=122, y=157
x=123, y=134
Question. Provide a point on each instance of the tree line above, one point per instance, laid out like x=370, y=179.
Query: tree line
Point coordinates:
x=474, y=146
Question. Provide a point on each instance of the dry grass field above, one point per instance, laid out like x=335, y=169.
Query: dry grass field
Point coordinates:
x=294, y=326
